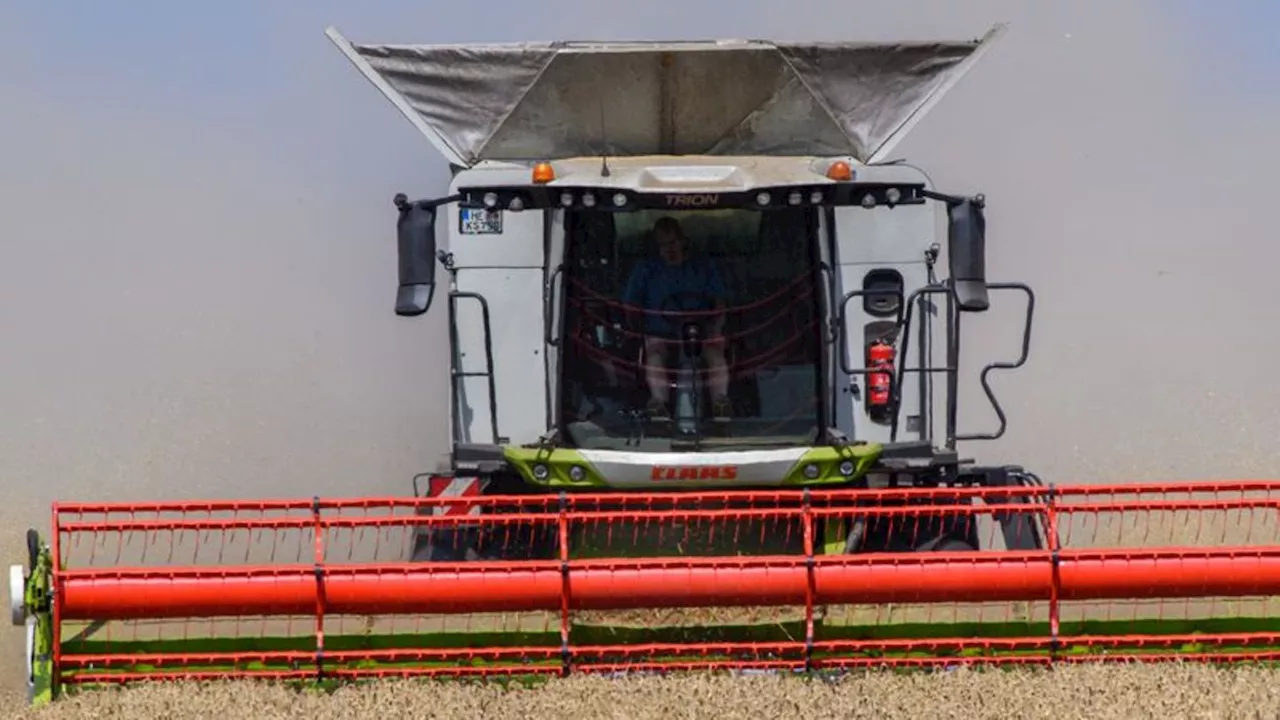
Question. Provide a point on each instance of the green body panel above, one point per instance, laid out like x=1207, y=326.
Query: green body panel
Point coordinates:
x=37, y=596
x=835, y=532
x=42, y=666
x=828, y=460
x=559, y=461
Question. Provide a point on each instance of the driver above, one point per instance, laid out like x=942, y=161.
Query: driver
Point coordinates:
x=660, y=280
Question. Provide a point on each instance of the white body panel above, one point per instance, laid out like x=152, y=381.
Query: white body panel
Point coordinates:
x=681, y=469
x=508, y=270
x=515, y=310
x=883, y=238
x=519, y=245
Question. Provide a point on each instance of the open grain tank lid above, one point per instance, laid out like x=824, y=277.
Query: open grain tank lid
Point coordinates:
x=545, y=101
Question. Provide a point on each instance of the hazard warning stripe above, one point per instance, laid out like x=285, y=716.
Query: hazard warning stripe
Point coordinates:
x=440, y=487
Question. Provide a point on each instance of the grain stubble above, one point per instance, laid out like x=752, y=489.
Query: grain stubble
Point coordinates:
x=1095, y=692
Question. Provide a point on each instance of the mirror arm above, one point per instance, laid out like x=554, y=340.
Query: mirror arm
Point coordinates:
x=978, y=200
x=446, y=259
x=402, y=202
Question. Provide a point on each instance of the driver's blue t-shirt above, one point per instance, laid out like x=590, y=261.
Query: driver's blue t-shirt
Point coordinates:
x=653, y=281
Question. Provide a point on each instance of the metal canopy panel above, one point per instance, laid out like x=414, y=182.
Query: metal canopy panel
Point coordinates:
x=546, y=101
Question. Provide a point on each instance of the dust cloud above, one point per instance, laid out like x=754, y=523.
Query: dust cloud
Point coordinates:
x=197, y=284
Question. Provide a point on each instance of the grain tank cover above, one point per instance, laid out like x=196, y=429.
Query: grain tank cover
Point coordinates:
x=547, y=101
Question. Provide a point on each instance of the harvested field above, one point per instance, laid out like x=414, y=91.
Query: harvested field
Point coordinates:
x=1082, y=691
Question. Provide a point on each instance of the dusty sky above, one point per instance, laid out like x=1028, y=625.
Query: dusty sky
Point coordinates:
x=200, y=261
x=198, y=243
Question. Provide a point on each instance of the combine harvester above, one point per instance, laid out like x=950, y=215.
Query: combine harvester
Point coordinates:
x=732, y=462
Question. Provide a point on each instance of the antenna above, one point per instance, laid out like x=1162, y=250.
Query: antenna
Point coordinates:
x=604, y=141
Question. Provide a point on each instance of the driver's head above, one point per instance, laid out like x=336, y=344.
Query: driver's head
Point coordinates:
x=670, y=239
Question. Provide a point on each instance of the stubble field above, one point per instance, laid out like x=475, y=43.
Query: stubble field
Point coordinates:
x=1079, y=691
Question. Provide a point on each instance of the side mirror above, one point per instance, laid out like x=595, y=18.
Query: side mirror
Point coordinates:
x=416, y=231
x=967, y=251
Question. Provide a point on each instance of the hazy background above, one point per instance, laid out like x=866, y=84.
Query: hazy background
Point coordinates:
x=198, y=248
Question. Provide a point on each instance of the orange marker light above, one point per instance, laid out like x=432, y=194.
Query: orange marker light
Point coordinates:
x=543, y=173
x=840, y=171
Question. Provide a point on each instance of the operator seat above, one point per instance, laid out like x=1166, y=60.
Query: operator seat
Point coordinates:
x=672, y=362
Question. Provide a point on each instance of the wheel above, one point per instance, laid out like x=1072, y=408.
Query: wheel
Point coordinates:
x=33, y=548
x=17, y=594
x=445, y=545
x=954, y=545
x=487, y=541
x=467, y=545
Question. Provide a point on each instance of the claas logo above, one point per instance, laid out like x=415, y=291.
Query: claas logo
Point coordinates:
x=694, y=472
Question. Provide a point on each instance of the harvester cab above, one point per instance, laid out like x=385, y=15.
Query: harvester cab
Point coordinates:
x=690, y=266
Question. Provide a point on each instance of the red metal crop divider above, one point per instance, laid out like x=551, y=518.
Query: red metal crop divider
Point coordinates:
x=562, y=528
x=810, y=590
x=321, y=595
x=1055, y=585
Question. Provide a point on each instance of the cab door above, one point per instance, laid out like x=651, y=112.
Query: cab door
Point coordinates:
x=838, y=401
x=553, y=310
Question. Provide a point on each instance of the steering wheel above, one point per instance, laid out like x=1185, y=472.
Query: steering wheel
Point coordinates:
x=688, y=301
x=691, y=330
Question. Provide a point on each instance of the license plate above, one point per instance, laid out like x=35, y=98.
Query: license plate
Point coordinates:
x=478, y=221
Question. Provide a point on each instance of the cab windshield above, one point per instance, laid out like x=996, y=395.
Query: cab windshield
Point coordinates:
x=693, y=330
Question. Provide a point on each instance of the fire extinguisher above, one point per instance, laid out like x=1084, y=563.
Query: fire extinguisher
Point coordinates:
x=880, y=357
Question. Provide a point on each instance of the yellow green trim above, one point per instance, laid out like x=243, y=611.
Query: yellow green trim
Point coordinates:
x=828, y=461
x=561, y=461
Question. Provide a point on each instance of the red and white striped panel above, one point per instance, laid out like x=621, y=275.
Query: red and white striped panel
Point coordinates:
x=444, y=486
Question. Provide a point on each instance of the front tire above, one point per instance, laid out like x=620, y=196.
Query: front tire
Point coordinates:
x=954, y=545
